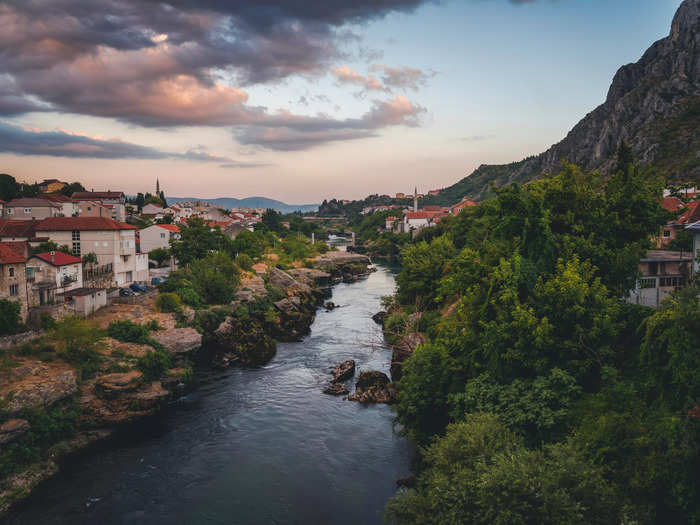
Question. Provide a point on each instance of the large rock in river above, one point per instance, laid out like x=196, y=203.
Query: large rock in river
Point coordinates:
x=343, y=371
x=373, y=387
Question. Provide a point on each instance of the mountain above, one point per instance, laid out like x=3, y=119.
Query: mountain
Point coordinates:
x=250, y=202
x=653, y=105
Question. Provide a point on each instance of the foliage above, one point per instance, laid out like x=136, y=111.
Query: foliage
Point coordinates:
x=423, y=267
x=482, y=473
x=10, y=319
x=244, y=261
x=90, y=258
x=253, y=244
x=210, y=280
x=76, y=342
x=159, y=255
x=198, y=240
x=682, y=242
x=154, y=363
x=168, y=302
x=129, y=332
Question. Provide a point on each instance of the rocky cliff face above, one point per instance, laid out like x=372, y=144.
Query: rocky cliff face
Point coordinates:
x=653, y=105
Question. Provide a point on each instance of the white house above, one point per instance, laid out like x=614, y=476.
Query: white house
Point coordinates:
x=114, y=243
x=695, y=230
x=51, y=273
x=114, y=200
x=152, y=210
x=158, y=236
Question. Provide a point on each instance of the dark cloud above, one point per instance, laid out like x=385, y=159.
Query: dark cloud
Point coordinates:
x=174, y=63
x=402, y=77
x=61, y=143
x=286, y=132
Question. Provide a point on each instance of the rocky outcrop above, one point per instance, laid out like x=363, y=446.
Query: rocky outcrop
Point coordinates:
x=311, y=277
x=111, y=386
x=336, y=389
x=12, y=429
x=179, y=341
x=343, y=371
x=380, y=317
x=36, y=384
x=243, y=342
x=281, y=279
x=373, y=387
x=653, y=105
x=344, y=266
x=403, y=350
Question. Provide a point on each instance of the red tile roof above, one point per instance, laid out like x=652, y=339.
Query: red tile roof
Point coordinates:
x=54, y=197
x=692, y=214
x=32, y=201
x=21, y=247
x=10, y=256
x=419, y=214
x=672, y=203
x=170, y=227
x=91, y=195
x=82, y=223
x=17, y=228
x=59, y=258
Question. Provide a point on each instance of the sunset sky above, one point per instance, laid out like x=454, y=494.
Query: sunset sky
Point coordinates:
x=301, y=101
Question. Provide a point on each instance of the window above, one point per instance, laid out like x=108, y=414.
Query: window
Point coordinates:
x=12, y=272
x=162, y=236
x=75, y=235
x=129, y=277
x=27, y=210
x=647, y=283
x=653, y=268
x=10, y=211
x=76, y=249
x=662, y=268
x=667, y=233
x=14, y=289
x=676, y=282
x=125, y=257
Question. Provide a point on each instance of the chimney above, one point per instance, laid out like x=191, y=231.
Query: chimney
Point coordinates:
x=53, y=257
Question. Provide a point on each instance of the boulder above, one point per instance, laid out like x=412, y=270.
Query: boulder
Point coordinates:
x=330, y=305
x=336, y=389
x=12, y=429
x=283, y=280
x=311, y=276
x=380, y=317
x=240, y=341
x=115, y=385
x=373, y=387
x=288, y=306
x=179, y=341
x=343, y=371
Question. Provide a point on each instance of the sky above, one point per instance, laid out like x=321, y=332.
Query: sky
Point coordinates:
x=301, y=101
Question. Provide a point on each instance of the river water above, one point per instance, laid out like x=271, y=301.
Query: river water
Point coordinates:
x=251, y=446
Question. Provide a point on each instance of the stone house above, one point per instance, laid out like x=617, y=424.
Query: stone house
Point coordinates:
x=114, y=200
x=94, y=209
x=13, y=276
x=113, y=243
x=25, y=209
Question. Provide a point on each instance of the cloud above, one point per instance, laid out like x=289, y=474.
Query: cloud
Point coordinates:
x=345, y=75
x=287, y=132
x=403, y=77
x=19, y=140
x=476, y=138
x=244, y=165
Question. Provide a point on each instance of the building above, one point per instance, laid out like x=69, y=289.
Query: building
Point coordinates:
x=52, y=186
x=695, y=230
x=27, y=208
x=434, y=193
x=52, y=273
x=662, y=272
x=158, y=236
x=84, y=301
x=2, y=208
x=464, y=203
x=12, y=230
x=94, y=209
x=112, y=242
x=115, y=200
x=69, y=207
x=400, y=195
x=13, y=276
x=152, y=210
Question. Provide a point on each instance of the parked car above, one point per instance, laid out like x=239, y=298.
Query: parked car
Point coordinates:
x=126, y=292
x=136, y=287
x=157, y=280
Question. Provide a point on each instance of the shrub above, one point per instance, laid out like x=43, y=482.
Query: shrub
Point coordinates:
x=244, y=261
x=75, y=340
x=190, y=297
x=129, y=332
x=154, y=364
x=168, y=302
x=47, y=322
x=10, y=321
x=153, y=325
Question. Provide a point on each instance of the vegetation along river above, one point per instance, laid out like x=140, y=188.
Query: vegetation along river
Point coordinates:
x=251, y=446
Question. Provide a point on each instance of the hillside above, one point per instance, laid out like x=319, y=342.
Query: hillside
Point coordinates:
x=250, y=202
x=653, y=105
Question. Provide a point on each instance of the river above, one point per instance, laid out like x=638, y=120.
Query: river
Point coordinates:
x=251, y=446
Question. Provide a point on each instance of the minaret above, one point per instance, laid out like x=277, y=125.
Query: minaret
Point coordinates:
x=415, y=199
x=157, y=186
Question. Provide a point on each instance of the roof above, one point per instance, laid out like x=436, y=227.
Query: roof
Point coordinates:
x=694, y=227
x=82, y=223
x=31, y=201
x=90, y=195
x=10, y=256
x=432, y=208
x=672, y=203
x=666, y=256
x=419, y=215
x=692, y=215
x=55, y=197
x=170, y=227
x=59, y=258
x=17, y=228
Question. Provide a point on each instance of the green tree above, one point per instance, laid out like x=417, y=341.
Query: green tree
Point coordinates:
x=159, y=255
x=197, y=240
x=423, y=267
x=9, y=188
x=10, y=320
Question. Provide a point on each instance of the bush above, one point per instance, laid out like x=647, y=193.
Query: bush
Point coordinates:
x=190, y=297
x=168, y=302
x=159, y=255
x=10, y=320
x=129, y=332
x=154, y=364
x=244, y=261
x=75, y=340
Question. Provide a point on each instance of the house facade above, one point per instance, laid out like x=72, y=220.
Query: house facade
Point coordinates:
x=158, y=236
x=52, y=273
x=694, y=229
x=13, y=277
x=662, y=272
x=112, y=242
x=113, y=200
x=25, y=209
x=69, y=207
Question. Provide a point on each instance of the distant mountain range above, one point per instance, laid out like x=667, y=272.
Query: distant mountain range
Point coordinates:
x=249, y=202
x=653, y=105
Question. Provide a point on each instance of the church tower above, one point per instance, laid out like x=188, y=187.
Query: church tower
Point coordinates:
x=157, y=186
x=415, y=199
